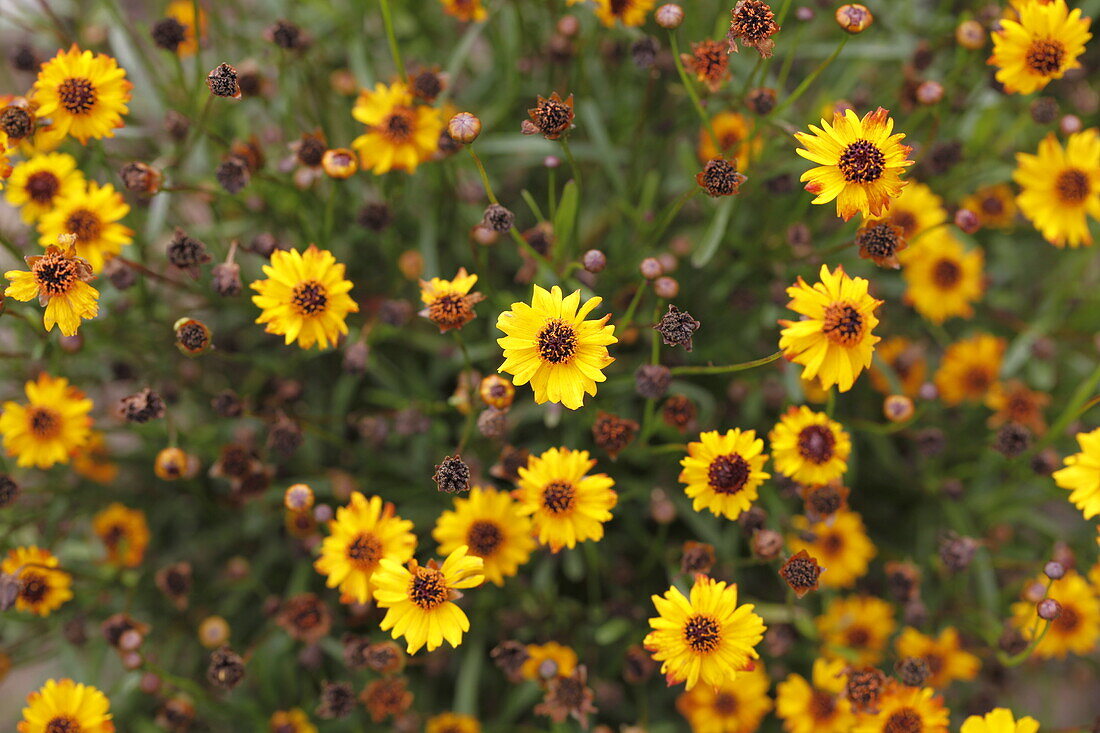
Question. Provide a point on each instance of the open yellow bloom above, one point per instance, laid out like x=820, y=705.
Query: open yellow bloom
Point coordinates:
x=92, y=214
x=704, y=637
x=124, y=532
x=908, y=361
x=970, y=369
x=915, y=211
x=551, y=345
x=947, y=660
x=52, y=424
x=1042, y=45
x=420, y=598
x=818, y=707
x=449, y=303
x=735, y=139
x=942, y=278
x=722, y=472
x=465, y=10
x=305, y=297
x=839, y=543
x=859, y=162
x=906, y=709
x=833, y=341
x=37, y=184
x=1076, y=630
x=567, y=505
x=400, y=135
x=809, y=447
x=452, y=723
x=999, y=720
x=545, y=661
x=1060, y=187
x=43, y=586
x=858, y=625
x=995, y=206
x=493, y=527
x=64, y=705
x=737, y=706
x=628, y=12
x=1081, y=476
x=85, y=95
x=59, y=279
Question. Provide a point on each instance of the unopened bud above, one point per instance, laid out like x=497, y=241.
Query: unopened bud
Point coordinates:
x=854, y=18
x=464, y=128
x=669, y=16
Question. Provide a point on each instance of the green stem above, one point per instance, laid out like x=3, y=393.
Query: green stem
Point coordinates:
x=726, y=368
x=572, y=164
x=691, y=90
x=801, y=88
x=395, y=51
x=1082, y=399
x=629, y=316
x=516, y=236
x=468, y=426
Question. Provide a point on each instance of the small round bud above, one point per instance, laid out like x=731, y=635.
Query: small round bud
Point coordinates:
x=967, y=220
x=669, y=16
x=1044, y=110
x=1054, y=570
x=594, y=261
x=767, y=544
x=897, y=408
x=551, y=161
x=464, y=128
x=666, y=287
x=970, y=35
x=929, y=92
x=569, y=25
x=854, y=18
x=149, y=684
x=805, y=14
x=130, y=640
x=650, y=268
x=213, y=631
x=1070, y=124
x=1048, y=609
x=298, y=498
x=411, y=264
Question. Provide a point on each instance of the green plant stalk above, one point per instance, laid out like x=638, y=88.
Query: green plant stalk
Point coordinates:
x=516, y=236
x=726, y=368
x=395, y=50
x=691, y=90
x=801, y=88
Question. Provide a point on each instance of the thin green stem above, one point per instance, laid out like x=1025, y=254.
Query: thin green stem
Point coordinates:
x=572, y=164
x=691, y=90
x=628, y=318
x=726, y=368
x=801, y=88
x=395, y=51
x=671, y=212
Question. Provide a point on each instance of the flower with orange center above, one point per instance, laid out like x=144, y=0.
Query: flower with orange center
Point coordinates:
x=400, y=135
x=449, y=303
x=124, y=532
x=970, y=369
x=1042, y=44
x=52, y=424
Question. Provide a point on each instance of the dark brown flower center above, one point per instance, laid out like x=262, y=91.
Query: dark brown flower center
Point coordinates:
x=484, y=538
x=753, y=20
x=34, y=587
x=978, y=379
x=557, y=342
x=16, y=121
x=44, y=422
x=558, y=497
x=728, y=474
x=905, y=720
x=554, y=117
x=702, y=634
x=450, y=309
x=725, y=703
x=618, y=7
x=55, y=274
x=992, y=205
x=905, y=220
x=365, y=551
x=42, y=186
x=1072, y=186
x=862, y=162
x=1045, y=56
x=880, y=242
x=62, y=724
x=801, y=572
x=310, y=150
x=77, y=95
x=1068, y=620
x=857, y=637
x=832, y=543
x=309, y=297
x=946, y=273
x=816, y=443
x=85, y=224
x=822, y=705
x=843, y=324
x=428, y=589
x=398, y=126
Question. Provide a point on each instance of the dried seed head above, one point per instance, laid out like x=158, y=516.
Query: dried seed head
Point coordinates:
x=287, y=35
x=752, y=23
x=679, y=412
x=698, y=558
x=612, y=433
x=17, y=120
x=719, y=177
x=1044, y=110
x=285, y=435
x=497, y=218
x=550, y=118
x=493, y=423
x=677, y=328
x=644, y=52
x=761, y=100
x=452, y=475
x=142, y=407
x=168, y=33
x=864, y=688
x=669, y=16
x=23, y=58
x=9, y=491
x=1012, y=440
x=464, y=128
x=187, y=253
x=140, y=178
x=337, y=701
x=903, y=581
x=427, y=84
x=912, y=671
x=192, y=337
x=651, y=381
x=957, y=552
x=509, y=656
x=801, y=573
x=375, y=216
x=233, y=174
x=227, y=404
x=767, y=544
x=225, y=279
x=226, y=668
x=223, y=82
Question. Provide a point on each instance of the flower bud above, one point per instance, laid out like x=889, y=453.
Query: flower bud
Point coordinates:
x=1048, y=609
x=669, y=16
x=967, y=221
x=897, y=408
x=854, y=18
x=970, y=35
x=594, y=261
x=464, y=128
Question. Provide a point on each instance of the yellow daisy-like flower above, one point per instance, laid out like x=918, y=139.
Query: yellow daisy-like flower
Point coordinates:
x=1081, y=476
x=946, y=659
x=566, y=504
x=399, y=136
x=43, y=586
x=84, y=94
x=59, y=279
x=943, y=279
x=908, y=362
x=1076, y=630
x=833, y=341
x=630, y=13
x=37, y=184
x=551, y=345
x=859, y=162
x=735, y=138
x=1042, y=45
x=1014, y=401
x=915, y=211
x=449, y=303
x=420, y=598
x=92, y=213
x=305, y=297
x=452, y=723
x=1061, y=187
x=549, y=660
x=465, y=10
x=995, y=206
x=705, y=637
x=493, y=526
x=183, y=11
x=999, y=720
x=840, y=545
x=124, y=532
x=969, y=369
x=64, y=705
x=816, y=708
x=291, y=721
x=738, y=706
x=809, y=447
x=363, y=532
x=906, y=709
x=722, y=472
x=52, y=424
x=856, y=627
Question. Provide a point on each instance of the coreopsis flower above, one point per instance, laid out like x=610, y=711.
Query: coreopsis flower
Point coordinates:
x=124, y=532
x=943, y=280
x=465, y=10
x=492, y=526
x=809, y=447
x=52, y=424
x=566, y=504
x=1081, y=475
x=551, y=117
x=630, y=13
x=839, y=543
x=815, y=705
x=710, y=62
x=452, y=723
x=183, y=12
x=496, y=391
x=995, y=206
x=722, y=473
x=858, y=624
x=1060, y=187
x=84, y=95
x=449, y=303
x=859, y=162
x=305, y=298
x=735, y=140
x=92, y=213
x=802, y=573
x=363, y=532
x=1014, y=402
x=880, y=242
x=43, y=585
x=752, y=22
x=705, y=637
x=906, y=708
x=908, y=361
x=1042, y=45
x=733, y=707
x=546, y=661
x=400, y=135
x=59, y=279
x=568, y=696
x=294, y=720
x=834, y=340
x=420, y=598
x=915, y=211
x=720, y=177
x=39, y=182
x=946, y=659
x=969, y=369
x=63, y=706
x=550, y=345
x=999, y=720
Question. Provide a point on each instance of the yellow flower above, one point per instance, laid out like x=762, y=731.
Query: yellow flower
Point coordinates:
x=906, y=359
x=833, y=341
x=420, y=598
x=452, y=722
x=627, y=12
x=59, y=279
x=1075, y=630
x=734, y=137
x=449, y=303
x=734, y=707
x=1042, y=45
x=291, y=721
x=856, y=628
x=43, y=586
x=305, y=297
x=363, y=532
x=819, y=708
x=494, y=528
x=906, y=709
x=93, y=461
x=465, y=10
x=85, y=95
x=999, y=720
x=722, y=472
x=36, y=184
x=92, y=213
x=551, y=345
x=943, y=279
x=64, y=705
x=809, y=447
x=124, y=532
x=1081, y=476
x=1061, y=187
x=705, y=637
x=184, y=13
x=946, y=659
x=399, y=136
x=915, y=211
x=545, y=661
x=995, y=206
x=839, y=543
x=969, y=369
x=52, y=424
x=567, y=505
x=859, y=162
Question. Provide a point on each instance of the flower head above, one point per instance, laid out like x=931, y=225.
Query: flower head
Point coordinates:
x=859, y=625
x=84, y=94
x=809, y=447
x=52, y=424
x=449, y=303
x=59, y=279
x=723, y=472
x=64, y=705
x=124, y=532
x=43, y=586
x=38, y=183
x=946, y=659
x=815, y=705
x=92, y=213
x=943, y=279
x=970, y=369
x=906, y=709
x=400, y=135
x=628, y=12
x=566, y=504
x=753, y=23
x=492, y=526
x=839, y=543
x=999, y=720
x=738, y=706
x=1081, y=475
x=1042, y=45
x=1060, y=187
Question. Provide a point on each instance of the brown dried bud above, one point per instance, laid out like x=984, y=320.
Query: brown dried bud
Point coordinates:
x=1044, y=110
x=226, y=279
x=551, y=117
x=9, y=491
x=497, y=218
x=677, y=328
x=287, y=36
x=337, y=701
x=753, y=24
x=1012, y=440
x=912, y=671
x=612, y=433
x=226, y=668
x=509, y=656
x=493, y=423
x=452, y=475
x=679, y=412
x=285, y=435
x=168, y=33
x=140, y=178
x=957, y=552
x=767, y=544
x=698, y=558
x=227, y=404
x=801, y=572
x=223, y=82
x=233, y=174
x=651, y=381
x=142, y=407
x=719, y=177
x=761, y=100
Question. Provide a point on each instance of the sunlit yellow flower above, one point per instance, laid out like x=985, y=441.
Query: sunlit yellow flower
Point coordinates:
x=946, y=659
x=1081, y=476
x=566, y=504
x=840, y=545
x=1060, y=187
x=995, y=206
x=493, y=526
x=722, y=472
x=550, y=344
x=1042, y=45
x=856, y=628
x=305, y=297
x=399, y=136
x=627, y=12
x=184, y=13
x=816, y=708
x=915, y=211
x=904, y=708
x=43, y=586
x=124, y=532
x=999, y=720
x=908, y=362
x=52, y=424
x=1075, y=630
x=545, y=661
x=294, y=720
x=93, y=462
x=85, y=95
x=969, y=369
x=809, y=447
x=452, y=722
x=705, y=637
x=420, y=598
x=59, y=279
x=61, y=706
x=738, y=706
x=735, y=138
x=465, y=10
x=92, y=214
x=943, y=280
x=37, y=184
x=449, y=303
